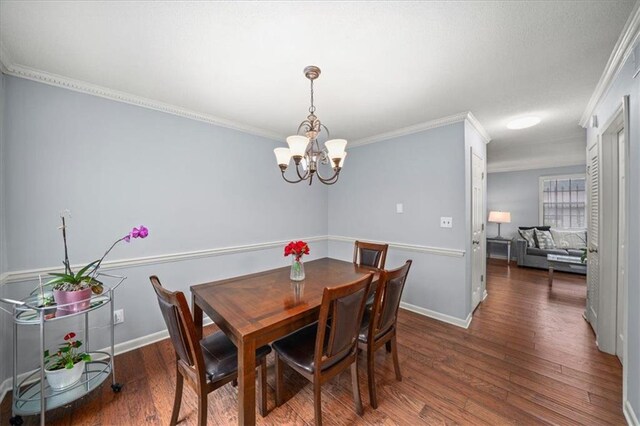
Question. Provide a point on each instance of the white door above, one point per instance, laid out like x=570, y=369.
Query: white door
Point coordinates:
x=622, y=245
x=477, y=229
x=593, y=258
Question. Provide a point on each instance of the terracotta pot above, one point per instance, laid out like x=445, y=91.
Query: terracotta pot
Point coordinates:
x=72, y=301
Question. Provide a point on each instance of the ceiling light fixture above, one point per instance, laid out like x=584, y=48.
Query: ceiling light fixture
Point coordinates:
x=305, y=150
x=523, y=122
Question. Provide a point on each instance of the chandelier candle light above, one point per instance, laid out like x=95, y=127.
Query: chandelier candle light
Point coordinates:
x=305, y=150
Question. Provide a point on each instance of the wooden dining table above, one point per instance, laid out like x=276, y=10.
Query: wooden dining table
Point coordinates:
x=254, y=310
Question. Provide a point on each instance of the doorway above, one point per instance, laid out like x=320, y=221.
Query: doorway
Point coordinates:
x=607, y=257
x=478, y=261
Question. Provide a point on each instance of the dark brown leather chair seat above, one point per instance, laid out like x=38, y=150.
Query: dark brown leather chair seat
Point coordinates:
x=298, y=348
x=221, y=355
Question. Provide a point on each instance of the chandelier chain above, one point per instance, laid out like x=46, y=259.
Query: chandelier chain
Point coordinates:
x=312, y=108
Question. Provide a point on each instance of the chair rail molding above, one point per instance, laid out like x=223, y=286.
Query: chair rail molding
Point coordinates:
x=28, y=274
x=621, y=52
x=403, y=246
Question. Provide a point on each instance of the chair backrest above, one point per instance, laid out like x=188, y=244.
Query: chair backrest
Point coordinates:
x=384, y=313
x=370, y=254
x=345, y=306
x=177, y=315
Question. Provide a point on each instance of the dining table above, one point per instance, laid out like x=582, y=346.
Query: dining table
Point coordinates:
x=256, y=309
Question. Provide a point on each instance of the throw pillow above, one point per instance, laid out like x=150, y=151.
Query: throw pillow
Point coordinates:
x=545, y=240
x=569, y=239
x=527, y=234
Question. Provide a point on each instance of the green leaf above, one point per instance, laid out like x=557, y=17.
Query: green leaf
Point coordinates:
x=83, y=270
x=46, y=353
x=86, y=357
x=65, y=349
x=69, y=365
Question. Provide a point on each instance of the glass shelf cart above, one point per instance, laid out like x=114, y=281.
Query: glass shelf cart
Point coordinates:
x=31, y=391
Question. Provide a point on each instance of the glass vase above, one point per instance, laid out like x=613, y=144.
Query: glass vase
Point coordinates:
x=297, y=270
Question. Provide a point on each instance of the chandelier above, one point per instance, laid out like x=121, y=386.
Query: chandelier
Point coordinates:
x=305, y=150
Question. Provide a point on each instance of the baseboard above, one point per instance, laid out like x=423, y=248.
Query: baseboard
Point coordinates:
x=630, y=415
x=437, y=315
x=499, y=256
x=485, y=295
x=120, y=348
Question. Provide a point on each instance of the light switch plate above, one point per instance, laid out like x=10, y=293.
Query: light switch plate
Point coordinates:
x=399, y=208
x=446, y=222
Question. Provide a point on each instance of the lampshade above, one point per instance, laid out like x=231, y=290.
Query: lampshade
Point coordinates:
x=500, y=217
x=283, y=156
x=335, y=147
x=344, y=155
x=298, y=145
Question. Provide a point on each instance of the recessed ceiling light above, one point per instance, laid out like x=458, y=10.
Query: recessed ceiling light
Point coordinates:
x=523, y=122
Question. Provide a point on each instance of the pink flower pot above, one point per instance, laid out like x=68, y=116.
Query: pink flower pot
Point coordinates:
x=72, y=301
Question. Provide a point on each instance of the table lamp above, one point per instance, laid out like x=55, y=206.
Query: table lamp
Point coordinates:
x=499, y=218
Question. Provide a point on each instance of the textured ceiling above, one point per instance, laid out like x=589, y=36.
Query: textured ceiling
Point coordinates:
x=385, y=65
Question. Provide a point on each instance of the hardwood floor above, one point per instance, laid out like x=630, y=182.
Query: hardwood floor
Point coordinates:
x=527, y=358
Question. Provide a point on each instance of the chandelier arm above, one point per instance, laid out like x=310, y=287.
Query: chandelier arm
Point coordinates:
x=324, y=180
x=307, y=173
x=290, y=181
x=327, y=129
x=330, y=181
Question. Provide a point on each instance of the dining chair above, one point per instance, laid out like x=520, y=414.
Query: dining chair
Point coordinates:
x=370, y=254
x=208, y=364
x=321, y=351
x=379, y=324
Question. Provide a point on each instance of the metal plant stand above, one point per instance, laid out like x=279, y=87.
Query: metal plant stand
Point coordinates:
x=31, y=393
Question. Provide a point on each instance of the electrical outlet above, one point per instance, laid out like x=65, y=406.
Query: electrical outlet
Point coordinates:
x=446, y=222
x=118, y=316
x=399, y=208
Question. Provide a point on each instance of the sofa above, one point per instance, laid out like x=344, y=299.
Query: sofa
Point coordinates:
x=535, y=257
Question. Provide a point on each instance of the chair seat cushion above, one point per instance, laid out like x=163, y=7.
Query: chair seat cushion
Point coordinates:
x=221, y=356
x=298, y=348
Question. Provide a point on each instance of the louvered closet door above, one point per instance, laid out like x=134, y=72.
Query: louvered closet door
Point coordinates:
x=593, y=262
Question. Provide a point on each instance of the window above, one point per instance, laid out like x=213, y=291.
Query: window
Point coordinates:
x=563, y=201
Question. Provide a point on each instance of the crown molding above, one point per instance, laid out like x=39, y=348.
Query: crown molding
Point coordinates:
x=621, y=52
x=10, y=68
x=479, y=128
x=535, y=164
x=432, y=124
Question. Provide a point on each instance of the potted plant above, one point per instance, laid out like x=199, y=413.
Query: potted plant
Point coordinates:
x=72, y=291
x=64, y=367
x=297, y=249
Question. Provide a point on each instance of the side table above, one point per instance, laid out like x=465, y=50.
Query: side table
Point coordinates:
x=499, y=240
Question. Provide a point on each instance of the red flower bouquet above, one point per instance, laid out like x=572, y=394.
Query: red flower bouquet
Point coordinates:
x=297, y=249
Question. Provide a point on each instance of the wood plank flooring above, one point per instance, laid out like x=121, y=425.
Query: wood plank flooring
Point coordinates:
x=527, y=358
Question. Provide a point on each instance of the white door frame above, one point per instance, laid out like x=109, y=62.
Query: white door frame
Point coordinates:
x=607, y=307
x=483, y=244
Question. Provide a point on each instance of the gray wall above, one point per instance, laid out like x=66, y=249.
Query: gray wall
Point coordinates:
x=625, y=84
x=3, y=247
x=423, y=172
x=518, y=193
x=194, y=185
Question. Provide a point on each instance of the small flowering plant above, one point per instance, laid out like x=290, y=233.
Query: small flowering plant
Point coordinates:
x=297, y=249
x=86, y=277
x=67, y=355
